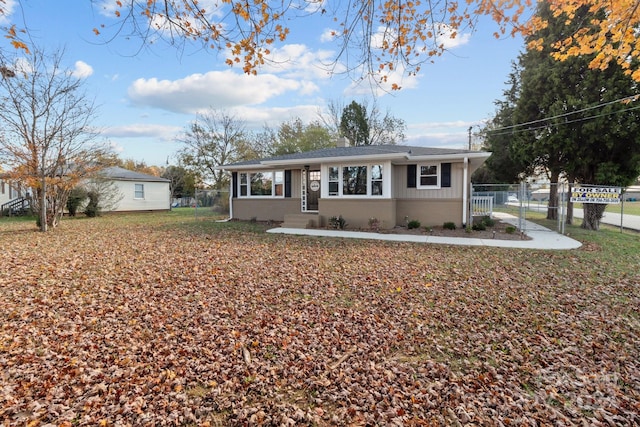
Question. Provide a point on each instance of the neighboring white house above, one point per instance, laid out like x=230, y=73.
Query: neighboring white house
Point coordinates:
x=139, y=191
x=12, y=196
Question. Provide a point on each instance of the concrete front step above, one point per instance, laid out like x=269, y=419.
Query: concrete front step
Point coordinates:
x=300, y=221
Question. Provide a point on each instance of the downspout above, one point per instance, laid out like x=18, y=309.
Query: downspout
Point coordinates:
x=230, y=203
x=465, y=195
x=231, y=198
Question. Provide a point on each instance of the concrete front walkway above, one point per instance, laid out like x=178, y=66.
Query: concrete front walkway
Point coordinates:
x=541, y=237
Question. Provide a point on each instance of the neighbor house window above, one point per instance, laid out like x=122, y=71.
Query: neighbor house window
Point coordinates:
x=139, y=191
x=261, y=184
x=428, y=176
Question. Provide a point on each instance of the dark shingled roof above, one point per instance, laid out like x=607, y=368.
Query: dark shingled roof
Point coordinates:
x=362, y=150
x=122, y=174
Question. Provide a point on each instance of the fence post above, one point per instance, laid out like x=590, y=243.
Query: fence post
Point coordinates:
x=471, y=206
x=562, y=215
x=521, y=194
x=195, y=212
x=622, y=210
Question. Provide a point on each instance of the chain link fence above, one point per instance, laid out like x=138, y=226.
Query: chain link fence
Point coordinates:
x=205, y=203
x=549, y=201
x=522, y=201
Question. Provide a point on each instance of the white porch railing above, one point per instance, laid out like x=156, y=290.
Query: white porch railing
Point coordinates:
x=482, y=206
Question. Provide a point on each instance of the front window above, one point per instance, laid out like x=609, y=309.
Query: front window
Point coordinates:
x=334, y=181
x=139, y=191
x=376, y=180
x=261, y=184
x=354, y=180
x=244, y=184
x=428, y=176
x=278, y=183
x=357, y=180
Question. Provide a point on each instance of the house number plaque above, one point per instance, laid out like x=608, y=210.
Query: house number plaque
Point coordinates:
x=314, y=185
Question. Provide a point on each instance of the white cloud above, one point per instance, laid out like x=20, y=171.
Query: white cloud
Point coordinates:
x=298, y=61
x=430, y=126
x=376, y=85
x=328, y=35
x=82, y=70
x=143, y=130
x=313, y=6
x=451, y=134
x=213, y=9
x=439, y=140
x=8, y=7
x=215, y=89
x=115, y=147
x=256, y=118
x=443, y=35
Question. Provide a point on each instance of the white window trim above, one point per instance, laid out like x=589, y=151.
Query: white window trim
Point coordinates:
x=273, y=184
x=438, y=177
x=135, y=191
x=386, y=181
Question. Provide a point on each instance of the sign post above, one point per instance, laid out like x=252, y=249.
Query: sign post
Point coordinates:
x=598, y=194
x=606, y=195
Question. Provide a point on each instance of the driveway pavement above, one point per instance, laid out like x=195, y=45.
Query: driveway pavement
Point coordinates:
x=631, y=222
x=541, y=237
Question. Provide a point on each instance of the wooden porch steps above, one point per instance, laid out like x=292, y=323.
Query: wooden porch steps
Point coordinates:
x=301, y=220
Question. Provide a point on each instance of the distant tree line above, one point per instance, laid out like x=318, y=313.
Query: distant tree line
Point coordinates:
x=217, y=137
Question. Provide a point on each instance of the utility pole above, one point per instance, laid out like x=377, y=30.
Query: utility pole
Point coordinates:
x=470, y=127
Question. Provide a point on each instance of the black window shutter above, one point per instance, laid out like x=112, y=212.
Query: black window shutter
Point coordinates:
x=412, y=170
x=445, y=178
x=234, y=183
x=287, y=183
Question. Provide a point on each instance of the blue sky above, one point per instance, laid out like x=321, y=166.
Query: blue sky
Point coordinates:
x=147, y=97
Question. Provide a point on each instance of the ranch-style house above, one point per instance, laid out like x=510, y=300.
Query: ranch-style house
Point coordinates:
x=392, y=184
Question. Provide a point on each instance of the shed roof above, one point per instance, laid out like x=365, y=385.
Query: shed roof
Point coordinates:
x=121, y=174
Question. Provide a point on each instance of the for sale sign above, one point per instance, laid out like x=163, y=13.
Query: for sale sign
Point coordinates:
x=603, y=195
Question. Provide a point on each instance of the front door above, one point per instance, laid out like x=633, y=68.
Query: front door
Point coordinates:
x=313, y=189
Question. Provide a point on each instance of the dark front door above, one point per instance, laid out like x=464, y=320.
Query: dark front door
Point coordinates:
x=313, y=189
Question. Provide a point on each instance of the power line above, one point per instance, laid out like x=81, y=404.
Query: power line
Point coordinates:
x=504, y=130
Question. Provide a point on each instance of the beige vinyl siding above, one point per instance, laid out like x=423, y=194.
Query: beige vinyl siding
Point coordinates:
x=400, y=190
x=296, y=184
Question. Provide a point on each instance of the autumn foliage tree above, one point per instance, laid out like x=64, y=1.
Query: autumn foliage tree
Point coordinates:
x=214, y=138
x=374, y=36
x=46, y=139
x=381, y=36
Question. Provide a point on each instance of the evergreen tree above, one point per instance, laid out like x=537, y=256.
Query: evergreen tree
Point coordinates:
x=354, y=124
x=571, y=122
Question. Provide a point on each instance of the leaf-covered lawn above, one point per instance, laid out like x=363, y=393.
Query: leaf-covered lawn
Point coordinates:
x=161, y=320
